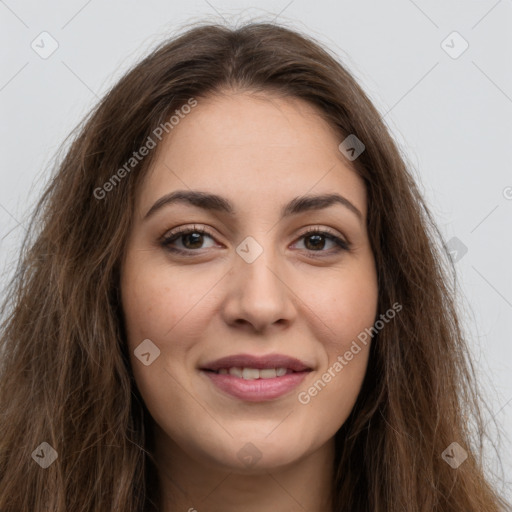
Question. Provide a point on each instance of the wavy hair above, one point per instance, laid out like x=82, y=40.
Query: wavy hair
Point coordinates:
x=66, y=378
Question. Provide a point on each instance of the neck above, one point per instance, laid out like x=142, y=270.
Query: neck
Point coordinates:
x=190, y=485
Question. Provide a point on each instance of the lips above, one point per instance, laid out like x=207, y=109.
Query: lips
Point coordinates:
x=257, y=362
x=256, y=378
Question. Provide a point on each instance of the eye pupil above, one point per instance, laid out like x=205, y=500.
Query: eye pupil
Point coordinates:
x=198, y=239
x=318, y=238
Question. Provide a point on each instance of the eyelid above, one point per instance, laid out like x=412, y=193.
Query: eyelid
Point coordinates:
x=187, y=228
x=321, y=229
x=203, y=229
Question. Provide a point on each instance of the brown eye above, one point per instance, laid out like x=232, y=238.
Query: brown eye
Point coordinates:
x=315, y=241
x=192, y=239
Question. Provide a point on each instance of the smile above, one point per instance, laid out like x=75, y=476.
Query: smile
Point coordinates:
x=256, y=378
x=254, y=373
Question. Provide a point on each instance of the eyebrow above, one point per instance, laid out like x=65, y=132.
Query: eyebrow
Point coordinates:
x=214, y=202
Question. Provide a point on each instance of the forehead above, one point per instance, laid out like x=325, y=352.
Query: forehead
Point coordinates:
x=245, y=145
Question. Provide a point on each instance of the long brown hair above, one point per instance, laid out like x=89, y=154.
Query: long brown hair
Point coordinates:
x=65, y=372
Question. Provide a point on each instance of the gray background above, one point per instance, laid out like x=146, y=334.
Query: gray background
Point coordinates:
x=451, y=115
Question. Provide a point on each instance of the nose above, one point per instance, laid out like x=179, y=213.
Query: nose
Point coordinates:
x=259, y=297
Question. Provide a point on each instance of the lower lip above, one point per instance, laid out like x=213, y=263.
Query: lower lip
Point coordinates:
x=257, y=390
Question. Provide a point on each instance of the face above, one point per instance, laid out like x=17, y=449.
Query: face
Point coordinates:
x=234, y=331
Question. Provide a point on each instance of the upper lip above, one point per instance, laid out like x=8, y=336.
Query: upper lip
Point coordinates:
x=259, y=362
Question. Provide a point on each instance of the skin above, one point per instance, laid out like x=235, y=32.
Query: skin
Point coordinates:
x=258, y=151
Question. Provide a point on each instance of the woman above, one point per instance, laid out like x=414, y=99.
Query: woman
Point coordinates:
x=236, y=299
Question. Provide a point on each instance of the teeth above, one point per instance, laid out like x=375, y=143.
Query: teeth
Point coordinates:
x=254, y=373
x=250, y=373
x=268, y=373
x=236, y=371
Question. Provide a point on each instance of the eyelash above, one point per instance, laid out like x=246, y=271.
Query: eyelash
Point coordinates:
x=167, y=240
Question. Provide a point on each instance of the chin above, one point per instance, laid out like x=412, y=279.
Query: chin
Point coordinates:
x=249, y=459
x=252, y=454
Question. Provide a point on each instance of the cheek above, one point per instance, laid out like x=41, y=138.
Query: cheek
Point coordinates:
x=155, y=309
x=347, y=307
x=349, y=313
x=346, y=304
x=158, y=301
x=164, y=305
x=330, y=398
